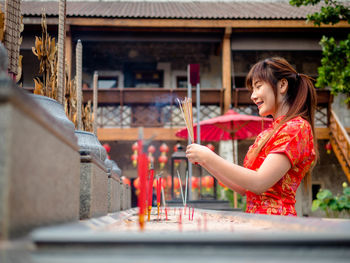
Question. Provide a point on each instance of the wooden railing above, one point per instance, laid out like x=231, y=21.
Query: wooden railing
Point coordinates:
x=340, y=141
x=156, y=109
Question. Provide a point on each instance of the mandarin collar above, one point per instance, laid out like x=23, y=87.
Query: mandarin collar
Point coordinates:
x=278, y=120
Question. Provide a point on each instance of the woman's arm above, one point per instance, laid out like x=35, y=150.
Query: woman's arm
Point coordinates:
x=271, y=171
x=226, y=182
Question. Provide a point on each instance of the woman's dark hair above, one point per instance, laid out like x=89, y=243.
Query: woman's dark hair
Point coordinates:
x=301, y=94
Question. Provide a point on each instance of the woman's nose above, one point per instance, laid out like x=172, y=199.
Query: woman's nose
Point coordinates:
x=253, y=96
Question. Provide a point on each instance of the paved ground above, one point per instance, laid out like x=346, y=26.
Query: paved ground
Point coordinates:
x=211, y=236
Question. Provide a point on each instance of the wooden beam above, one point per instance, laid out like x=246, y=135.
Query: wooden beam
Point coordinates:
x=151, y=96
x=164, y=96
x=131, y=134
x=163, y=134
x=226, y=68
x=183, y=23
x=322, y=133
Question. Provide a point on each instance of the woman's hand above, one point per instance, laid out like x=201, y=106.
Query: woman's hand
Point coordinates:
x=198, y=154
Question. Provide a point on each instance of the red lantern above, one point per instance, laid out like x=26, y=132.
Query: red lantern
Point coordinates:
x=329, y=147
x=164, y=148
x=211, y=147
x=150, y=159
x=176, y=163
x=195, y=182
x=137, y=183
x=134, y=159
x=168, y=181
x=162, y=160
x=151, y=149
x=126, y=180
x=135, y=146
x=176, y=183
x=207, y=181
x=107, y=147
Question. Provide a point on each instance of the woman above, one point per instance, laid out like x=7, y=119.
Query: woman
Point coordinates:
x=280, y=156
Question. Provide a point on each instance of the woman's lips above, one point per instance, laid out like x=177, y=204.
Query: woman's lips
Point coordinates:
x=259, y=104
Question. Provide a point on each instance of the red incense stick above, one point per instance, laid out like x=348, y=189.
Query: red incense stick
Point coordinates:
x=150, y=191
x=159, y=183
x=142, y=172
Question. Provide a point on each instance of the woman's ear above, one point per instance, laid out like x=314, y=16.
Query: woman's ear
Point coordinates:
x=283, y=86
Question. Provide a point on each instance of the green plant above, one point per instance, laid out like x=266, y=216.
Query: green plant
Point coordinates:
x=335, y=69
x=332, y=205
x=335, y=63
x=227, y=194
x=332, y=11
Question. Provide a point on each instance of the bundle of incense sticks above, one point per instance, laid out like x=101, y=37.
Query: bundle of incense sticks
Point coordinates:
x=187, y=114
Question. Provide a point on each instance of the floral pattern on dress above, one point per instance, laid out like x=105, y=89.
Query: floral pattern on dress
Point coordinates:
x=294, y=139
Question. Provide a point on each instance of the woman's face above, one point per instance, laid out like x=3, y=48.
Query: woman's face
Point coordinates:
x=264, y=97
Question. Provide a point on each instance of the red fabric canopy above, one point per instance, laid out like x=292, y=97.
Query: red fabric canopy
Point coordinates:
x=230, y=126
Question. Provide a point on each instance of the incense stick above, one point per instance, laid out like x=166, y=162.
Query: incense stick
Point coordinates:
x=186, y=111
x=186, y=187
x=163, y=196
x=182, y=194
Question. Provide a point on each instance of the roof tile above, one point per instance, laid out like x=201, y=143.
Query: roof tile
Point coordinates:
x=175, y=10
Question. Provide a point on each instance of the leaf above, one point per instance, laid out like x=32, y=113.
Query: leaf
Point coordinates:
x=324, y=194
x=315, y=205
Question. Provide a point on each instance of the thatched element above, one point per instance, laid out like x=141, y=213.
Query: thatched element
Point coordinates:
x=79, y=61
x=13, y=27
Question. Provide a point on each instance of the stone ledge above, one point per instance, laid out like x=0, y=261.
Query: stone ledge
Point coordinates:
x=9, y=93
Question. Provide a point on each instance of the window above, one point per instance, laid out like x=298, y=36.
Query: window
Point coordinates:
x=181, y=82
x=107, y=82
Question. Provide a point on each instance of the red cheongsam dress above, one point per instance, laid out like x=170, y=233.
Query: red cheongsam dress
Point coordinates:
x=294, y=139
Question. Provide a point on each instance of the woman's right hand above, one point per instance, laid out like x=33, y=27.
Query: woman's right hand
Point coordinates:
x=198, y=154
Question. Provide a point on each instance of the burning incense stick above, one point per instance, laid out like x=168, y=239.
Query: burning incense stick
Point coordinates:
x=187, y=115
x=182, y=194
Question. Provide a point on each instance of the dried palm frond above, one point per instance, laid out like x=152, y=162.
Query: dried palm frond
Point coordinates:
x=45, y=50
x=39, y=87
x=87, y=117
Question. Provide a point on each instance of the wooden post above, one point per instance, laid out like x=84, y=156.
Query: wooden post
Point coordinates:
x=95, y=102
x=226, y=68
x=68, y=51
x=79, y=51
x=61, y=51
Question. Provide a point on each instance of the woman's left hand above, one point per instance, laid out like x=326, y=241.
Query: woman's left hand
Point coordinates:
x=198, y=154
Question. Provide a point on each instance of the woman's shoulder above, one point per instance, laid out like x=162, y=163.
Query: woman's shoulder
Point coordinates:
x=296, y=124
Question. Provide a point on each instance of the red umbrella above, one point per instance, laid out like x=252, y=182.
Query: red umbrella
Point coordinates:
x=230, y=126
